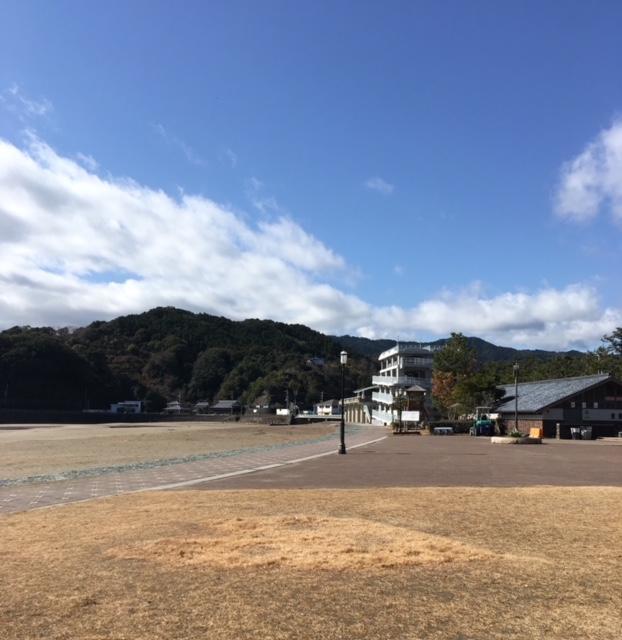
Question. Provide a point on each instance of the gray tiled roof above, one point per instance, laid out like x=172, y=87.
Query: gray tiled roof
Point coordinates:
x=535, y=396
x=226, y=404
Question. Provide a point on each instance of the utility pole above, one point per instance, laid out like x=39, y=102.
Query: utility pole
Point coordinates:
x=515, y=368
x=342, y=430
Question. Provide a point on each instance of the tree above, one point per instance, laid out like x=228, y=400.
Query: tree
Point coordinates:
x=209, y=372
x=443, y=383
x=454, y=366
x=613, y=342
x=400, y=403
x=456, y=356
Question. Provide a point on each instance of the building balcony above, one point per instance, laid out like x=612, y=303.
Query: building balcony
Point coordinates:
x=384, y=398
x=383, y=417
x=401, y=381
x=418, y=362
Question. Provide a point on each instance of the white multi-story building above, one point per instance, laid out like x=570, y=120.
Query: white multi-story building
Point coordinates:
x=405, y=370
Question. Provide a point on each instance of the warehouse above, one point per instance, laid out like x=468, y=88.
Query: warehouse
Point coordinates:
x=594, y=401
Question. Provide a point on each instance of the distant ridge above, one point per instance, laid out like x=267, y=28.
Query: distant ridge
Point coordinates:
x=486, y=351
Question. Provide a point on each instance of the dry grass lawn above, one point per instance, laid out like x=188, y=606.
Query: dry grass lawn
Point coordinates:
x=456, y=564
x=39, y=451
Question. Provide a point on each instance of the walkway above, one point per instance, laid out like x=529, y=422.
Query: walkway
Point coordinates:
x=168, y=474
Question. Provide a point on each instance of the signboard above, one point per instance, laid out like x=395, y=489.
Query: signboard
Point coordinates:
x=410, y=416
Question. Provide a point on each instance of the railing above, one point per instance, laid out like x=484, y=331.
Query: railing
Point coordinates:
x=403, y=349
x=385, y=398
x=422, y=362
x=389, y=381
x=382, y=416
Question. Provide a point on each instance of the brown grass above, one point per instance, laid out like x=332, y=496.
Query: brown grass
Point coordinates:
x=302, y=542
x=39, y=451
x=387, y=564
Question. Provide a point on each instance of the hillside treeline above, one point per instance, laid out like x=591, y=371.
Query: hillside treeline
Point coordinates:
x=167, y=354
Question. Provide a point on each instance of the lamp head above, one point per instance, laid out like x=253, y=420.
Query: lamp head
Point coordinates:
x=344, y=357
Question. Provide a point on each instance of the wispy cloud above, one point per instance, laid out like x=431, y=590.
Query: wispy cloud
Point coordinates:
x=232, y=157
x=79, y=246
x=592, y=182
x=16, y=101
x=175, y=141
x=87, y=161
x=398, y=270
x=255, y=192
x=380, y=185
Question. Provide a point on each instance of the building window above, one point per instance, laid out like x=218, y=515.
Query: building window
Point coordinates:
x=613, y=416
x=572, y=405
x=596, y=405
x=584, y=405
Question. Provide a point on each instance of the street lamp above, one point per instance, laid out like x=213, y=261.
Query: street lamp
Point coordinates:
x=344, y=361
x=515, y=368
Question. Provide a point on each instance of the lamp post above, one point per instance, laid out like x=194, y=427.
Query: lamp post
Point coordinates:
x=515, y=368
x=342, y=430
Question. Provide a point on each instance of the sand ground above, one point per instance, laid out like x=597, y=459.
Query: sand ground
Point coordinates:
x=433, y=563
x=50, y=449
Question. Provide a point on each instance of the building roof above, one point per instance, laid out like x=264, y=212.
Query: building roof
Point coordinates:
x=416, y=387
x=365, y=388
x=332, y=402
x=407, y=349
x=536, y=396
x=226, y=404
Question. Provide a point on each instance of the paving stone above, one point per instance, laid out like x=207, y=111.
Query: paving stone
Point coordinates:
x=85, y=484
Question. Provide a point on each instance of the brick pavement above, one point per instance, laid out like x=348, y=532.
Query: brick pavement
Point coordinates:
x=168, y=474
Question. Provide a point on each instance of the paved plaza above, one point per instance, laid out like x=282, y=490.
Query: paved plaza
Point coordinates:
x=447, y=461
x=375, y=459
x=89, y=484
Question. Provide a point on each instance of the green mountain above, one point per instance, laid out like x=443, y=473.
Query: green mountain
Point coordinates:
x=168, y=353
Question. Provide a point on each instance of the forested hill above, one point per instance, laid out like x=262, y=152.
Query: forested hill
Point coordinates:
x=167, y=353
x=485, y=351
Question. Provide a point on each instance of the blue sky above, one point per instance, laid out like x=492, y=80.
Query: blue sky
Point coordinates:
x=423, y=150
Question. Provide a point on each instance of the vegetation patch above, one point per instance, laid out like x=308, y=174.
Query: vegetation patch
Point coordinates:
x=303, y=541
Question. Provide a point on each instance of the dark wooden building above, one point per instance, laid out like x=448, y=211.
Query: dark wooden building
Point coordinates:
x=586, y=401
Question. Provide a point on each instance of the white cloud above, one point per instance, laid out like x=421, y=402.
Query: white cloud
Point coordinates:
x=380, y=185
x=184, y=147
x=16, y=101
x=593, y=180
x=75, y=247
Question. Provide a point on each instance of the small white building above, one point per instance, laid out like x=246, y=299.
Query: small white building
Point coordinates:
x=175, y=407
x=127, y=406
x=330, y=407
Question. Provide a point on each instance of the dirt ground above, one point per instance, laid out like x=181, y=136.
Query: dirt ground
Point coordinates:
x=45, y=450
x=433, y=563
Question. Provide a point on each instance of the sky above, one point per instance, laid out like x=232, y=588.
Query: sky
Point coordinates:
x=383, y=169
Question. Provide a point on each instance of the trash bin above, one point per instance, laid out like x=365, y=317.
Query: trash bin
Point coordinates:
x=586, y=433
x=575, y=433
